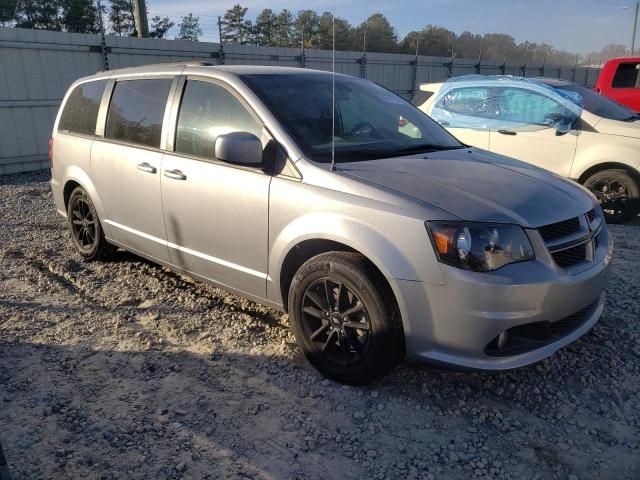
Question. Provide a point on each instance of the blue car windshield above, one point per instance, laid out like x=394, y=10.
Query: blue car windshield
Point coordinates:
x=370, y=121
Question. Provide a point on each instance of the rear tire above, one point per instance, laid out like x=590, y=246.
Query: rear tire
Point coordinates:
x=341, y=321
x=86, y=230
x=617, y=192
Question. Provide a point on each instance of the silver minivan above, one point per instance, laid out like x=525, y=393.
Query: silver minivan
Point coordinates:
x=379, y=233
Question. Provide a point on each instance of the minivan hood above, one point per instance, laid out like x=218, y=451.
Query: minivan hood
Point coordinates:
x=616, y=127
x=476, y=185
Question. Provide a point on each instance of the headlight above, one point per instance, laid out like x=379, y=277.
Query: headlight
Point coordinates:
x=481, y=247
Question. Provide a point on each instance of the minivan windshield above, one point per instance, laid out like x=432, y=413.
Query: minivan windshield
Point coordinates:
x=370, y=121
x=602, y=106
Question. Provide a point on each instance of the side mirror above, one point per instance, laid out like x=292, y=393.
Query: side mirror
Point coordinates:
x=242, y=148
x=559, y=122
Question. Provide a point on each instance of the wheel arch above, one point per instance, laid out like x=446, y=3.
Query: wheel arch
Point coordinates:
x=598, y=167
x=309, y=248
x=77, y=177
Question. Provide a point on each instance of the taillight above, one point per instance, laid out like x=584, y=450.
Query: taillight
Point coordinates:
x=51, y=151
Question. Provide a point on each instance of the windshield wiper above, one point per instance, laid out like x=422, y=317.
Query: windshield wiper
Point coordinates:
x=424, y=148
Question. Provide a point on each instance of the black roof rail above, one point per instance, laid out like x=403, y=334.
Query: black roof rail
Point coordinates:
x=186, y=63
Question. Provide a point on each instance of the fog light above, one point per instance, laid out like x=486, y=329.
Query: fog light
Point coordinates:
x=502, y=339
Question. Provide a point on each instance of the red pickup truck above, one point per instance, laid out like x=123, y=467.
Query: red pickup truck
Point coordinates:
x=620, y=81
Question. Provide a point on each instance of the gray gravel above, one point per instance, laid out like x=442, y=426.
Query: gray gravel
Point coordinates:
x=126, y=370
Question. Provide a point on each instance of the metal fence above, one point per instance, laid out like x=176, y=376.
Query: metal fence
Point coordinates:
x=36, y=68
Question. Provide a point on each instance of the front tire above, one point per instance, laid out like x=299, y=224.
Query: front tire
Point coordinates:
x=86, y=230
x=341, y=321
x=617, y=192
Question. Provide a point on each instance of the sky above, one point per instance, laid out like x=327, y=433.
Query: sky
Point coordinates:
x=579, y=26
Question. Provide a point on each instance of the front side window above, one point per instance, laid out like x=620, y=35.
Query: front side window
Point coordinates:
x=81, y=109
x=370, y=121
x=517, y=105
x=208, y=110
x=627, y=76
x=136, y=111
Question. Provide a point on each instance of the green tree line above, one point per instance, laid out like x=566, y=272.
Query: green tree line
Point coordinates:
x=82, y=16
x=287, y=29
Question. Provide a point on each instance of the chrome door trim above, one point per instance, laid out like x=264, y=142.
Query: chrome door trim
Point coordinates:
x=219, y=261
x=186, y=250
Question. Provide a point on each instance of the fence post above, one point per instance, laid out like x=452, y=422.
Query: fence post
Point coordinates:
x=449, y=66
x=479, y=64
x=103, y=40
x=220, y=36
x=221, y=54
x=363, y=66
x=414, y=76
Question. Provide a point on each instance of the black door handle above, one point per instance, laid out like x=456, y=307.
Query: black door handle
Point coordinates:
x=507, y=132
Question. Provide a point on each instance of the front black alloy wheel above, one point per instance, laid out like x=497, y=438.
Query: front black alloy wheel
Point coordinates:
x=617, y=192
x=335, y=319
x=342, y=320
x=85, y=227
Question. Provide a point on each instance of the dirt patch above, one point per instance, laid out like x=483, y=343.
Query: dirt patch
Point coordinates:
x=126, y=370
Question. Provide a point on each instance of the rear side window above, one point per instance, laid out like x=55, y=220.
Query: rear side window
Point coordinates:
x=81, y=109
x=136, y=111
x=469, y=101
x=626, y=76
x=208, y=110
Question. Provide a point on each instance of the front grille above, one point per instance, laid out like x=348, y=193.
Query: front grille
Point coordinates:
x=560, y=229
x=570, y=256
x=573, y=241
x=528, y=337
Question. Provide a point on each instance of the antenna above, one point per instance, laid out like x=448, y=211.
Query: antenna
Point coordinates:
x=333, y=91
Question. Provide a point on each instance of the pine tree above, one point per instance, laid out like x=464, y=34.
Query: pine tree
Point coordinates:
x=190, y=28
x=39, y=14
x=306, y=28
x=324, y=38
x=283, y=31
x=263, y=31
x=160, y=27
x=121, y=17
x=80, y=16
x=237, y=29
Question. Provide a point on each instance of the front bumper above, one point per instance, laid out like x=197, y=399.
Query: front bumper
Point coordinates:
x=454, y=323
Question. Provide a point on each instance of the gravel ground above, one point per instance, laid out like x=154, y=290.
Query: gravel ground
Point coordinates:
x=126, y=370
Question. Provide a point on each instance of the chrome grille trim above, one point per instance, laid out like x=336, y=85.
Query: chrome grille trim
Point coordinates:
x=574, y=241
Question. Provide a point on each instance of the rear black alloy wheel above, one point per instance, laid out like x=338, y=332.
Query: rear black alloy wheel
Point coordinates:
x=342, y=319
x=85, y=226
x=617, y=193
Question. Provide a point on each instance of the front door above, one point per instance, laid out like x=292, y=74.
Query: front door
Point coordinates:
x=524, y=133
x=216, y=214
x=126, y=164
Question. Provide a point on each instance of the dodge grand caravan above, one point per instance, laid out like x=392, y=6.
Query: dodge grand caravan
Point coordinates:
x=378, y=232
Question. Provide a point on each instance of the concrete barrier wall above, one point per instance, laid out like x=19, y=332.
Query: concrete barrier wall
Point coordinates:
x=37, y=67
